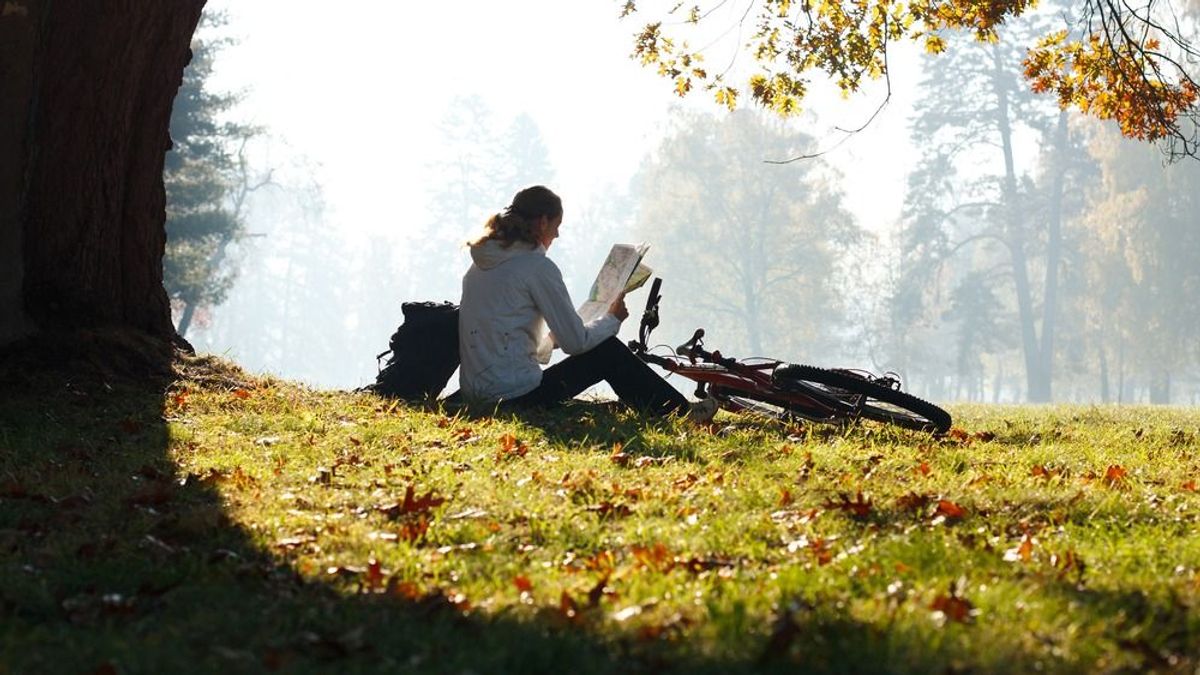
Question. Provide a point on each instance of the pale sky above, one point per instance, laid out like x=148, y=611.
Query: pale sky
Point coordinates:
x=358, y=87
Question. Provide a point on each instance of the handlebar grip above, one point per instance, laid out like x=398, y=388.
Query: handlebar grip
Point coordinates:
x=654, y=297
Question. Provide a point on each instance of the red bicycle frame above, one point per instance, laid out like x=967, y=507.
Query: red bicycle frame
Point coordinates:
x=728, y=380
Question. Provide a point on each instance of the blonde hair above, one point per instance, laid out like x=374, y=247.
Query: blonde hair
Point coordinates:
x=518, y=221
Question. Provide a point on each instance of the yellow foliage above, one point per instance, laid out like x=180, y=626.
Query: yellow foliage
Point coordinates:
x=847, y=40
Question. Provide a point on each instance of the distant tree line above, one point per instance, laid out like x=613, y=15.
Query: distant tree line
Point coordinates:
x=1065, y=272
x=1039, y=255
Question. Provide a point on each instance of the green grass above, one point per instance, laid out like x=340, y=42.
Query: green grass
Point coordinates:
x=231, y=523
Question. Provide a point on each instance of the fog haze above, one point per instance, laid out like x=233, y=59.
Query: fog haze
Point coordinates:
x=387, y=136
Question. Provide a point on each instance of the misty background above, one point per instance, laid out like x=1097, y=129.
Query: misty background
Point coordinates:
x=330, y=163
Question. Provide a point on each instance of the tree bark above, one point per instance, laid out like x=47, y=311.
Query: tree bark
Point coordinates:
x=18, y=30
x=101, y=78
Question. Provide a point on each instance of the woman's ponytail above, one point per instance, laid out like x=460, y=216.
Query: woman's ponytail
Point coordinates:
x=518, y=220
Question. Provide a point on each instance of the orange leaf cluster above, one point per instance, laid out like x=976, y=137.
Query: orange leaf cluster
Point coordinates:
x=1115, y=475
x=1121, y=84
x=954, y=607
x=1119, y=72
x=511, y=447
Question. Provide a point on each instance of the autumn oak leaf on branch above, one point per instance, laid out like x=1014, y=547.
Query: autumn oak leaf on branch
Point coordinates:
x=1115, y=61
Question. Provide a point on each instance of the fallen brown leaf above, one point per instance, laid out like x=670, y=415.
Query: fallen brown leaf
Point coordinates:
x=1115, y=475
x=949, y=510
x=656, y=557
x=954, y=607
x=375, y=575
x=859, y=507
x=607, y=508
x=511, y=447
x=959, y=435
x=412, y=504
x=523, y=583
x=806, y=468
x=568, y=608
x=596, y=594
x=1022, y=553
x=413, y=531
x=617, y=456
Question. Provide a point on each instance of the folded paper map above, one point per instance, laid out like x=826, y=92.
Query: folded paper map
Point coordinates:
x=621, y=272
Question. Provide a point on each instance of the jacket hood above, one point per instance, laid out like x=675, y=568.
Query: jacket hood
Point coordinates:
x=491, y=253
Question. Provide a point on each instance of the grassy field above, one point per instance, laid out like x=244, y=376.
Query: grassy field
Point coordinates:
x=225, y=522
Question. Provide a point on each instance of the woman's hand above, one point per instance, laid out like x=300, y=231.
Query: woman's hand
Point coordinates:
x=618, y=308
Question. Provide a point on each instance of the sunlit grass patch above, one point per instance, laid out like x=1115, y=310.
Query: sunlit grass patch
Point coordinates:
x=274, y=525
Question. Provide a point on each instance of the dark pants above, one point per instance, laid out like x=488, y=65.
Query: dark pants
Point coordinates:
x=633, y=381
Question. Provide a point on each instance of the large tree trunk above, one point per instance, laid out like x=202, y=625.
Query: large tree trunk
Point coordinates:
x=17, y=34
x=81, y=191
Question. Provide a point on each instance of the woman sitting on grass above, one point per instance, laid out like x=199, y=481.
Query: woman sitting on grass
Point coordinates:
x=508, y=292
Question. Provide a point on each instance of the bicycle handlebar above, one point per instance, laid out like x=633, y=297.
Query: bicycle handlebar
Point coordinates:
x=693, y=345
x=692, y=349
x=654, y=297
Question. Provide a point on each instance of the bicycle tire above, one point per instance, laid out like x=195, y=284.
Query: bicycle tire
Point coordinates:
x=882, y=404
x=755, y=403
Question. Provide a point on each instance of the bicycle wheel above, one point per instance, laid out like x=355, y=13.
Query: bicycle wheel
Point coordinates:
x=825, y=409
x=874, y=401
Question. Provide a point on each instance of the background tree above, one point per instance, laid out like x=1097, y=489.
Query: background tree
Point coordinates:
x=750, y=250
x=296, y=308
x=972, y=209
x=1144, y=226
x=207, y=179
x=483, y=164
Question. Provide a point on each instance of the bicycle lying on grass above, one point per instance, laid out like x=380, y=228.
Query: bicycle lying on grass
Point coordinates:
x=784, y=390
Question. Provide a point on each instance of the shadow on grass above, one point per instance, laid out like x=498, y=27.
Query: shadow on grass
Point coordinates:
x=110, y=561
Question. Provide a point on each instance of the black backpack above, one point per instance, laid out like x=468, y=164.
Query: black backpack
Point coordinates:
x=424, y=352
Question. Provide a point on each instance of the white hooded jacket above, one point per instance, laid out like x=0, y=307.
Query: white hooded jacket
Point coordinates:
x=505, y=297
